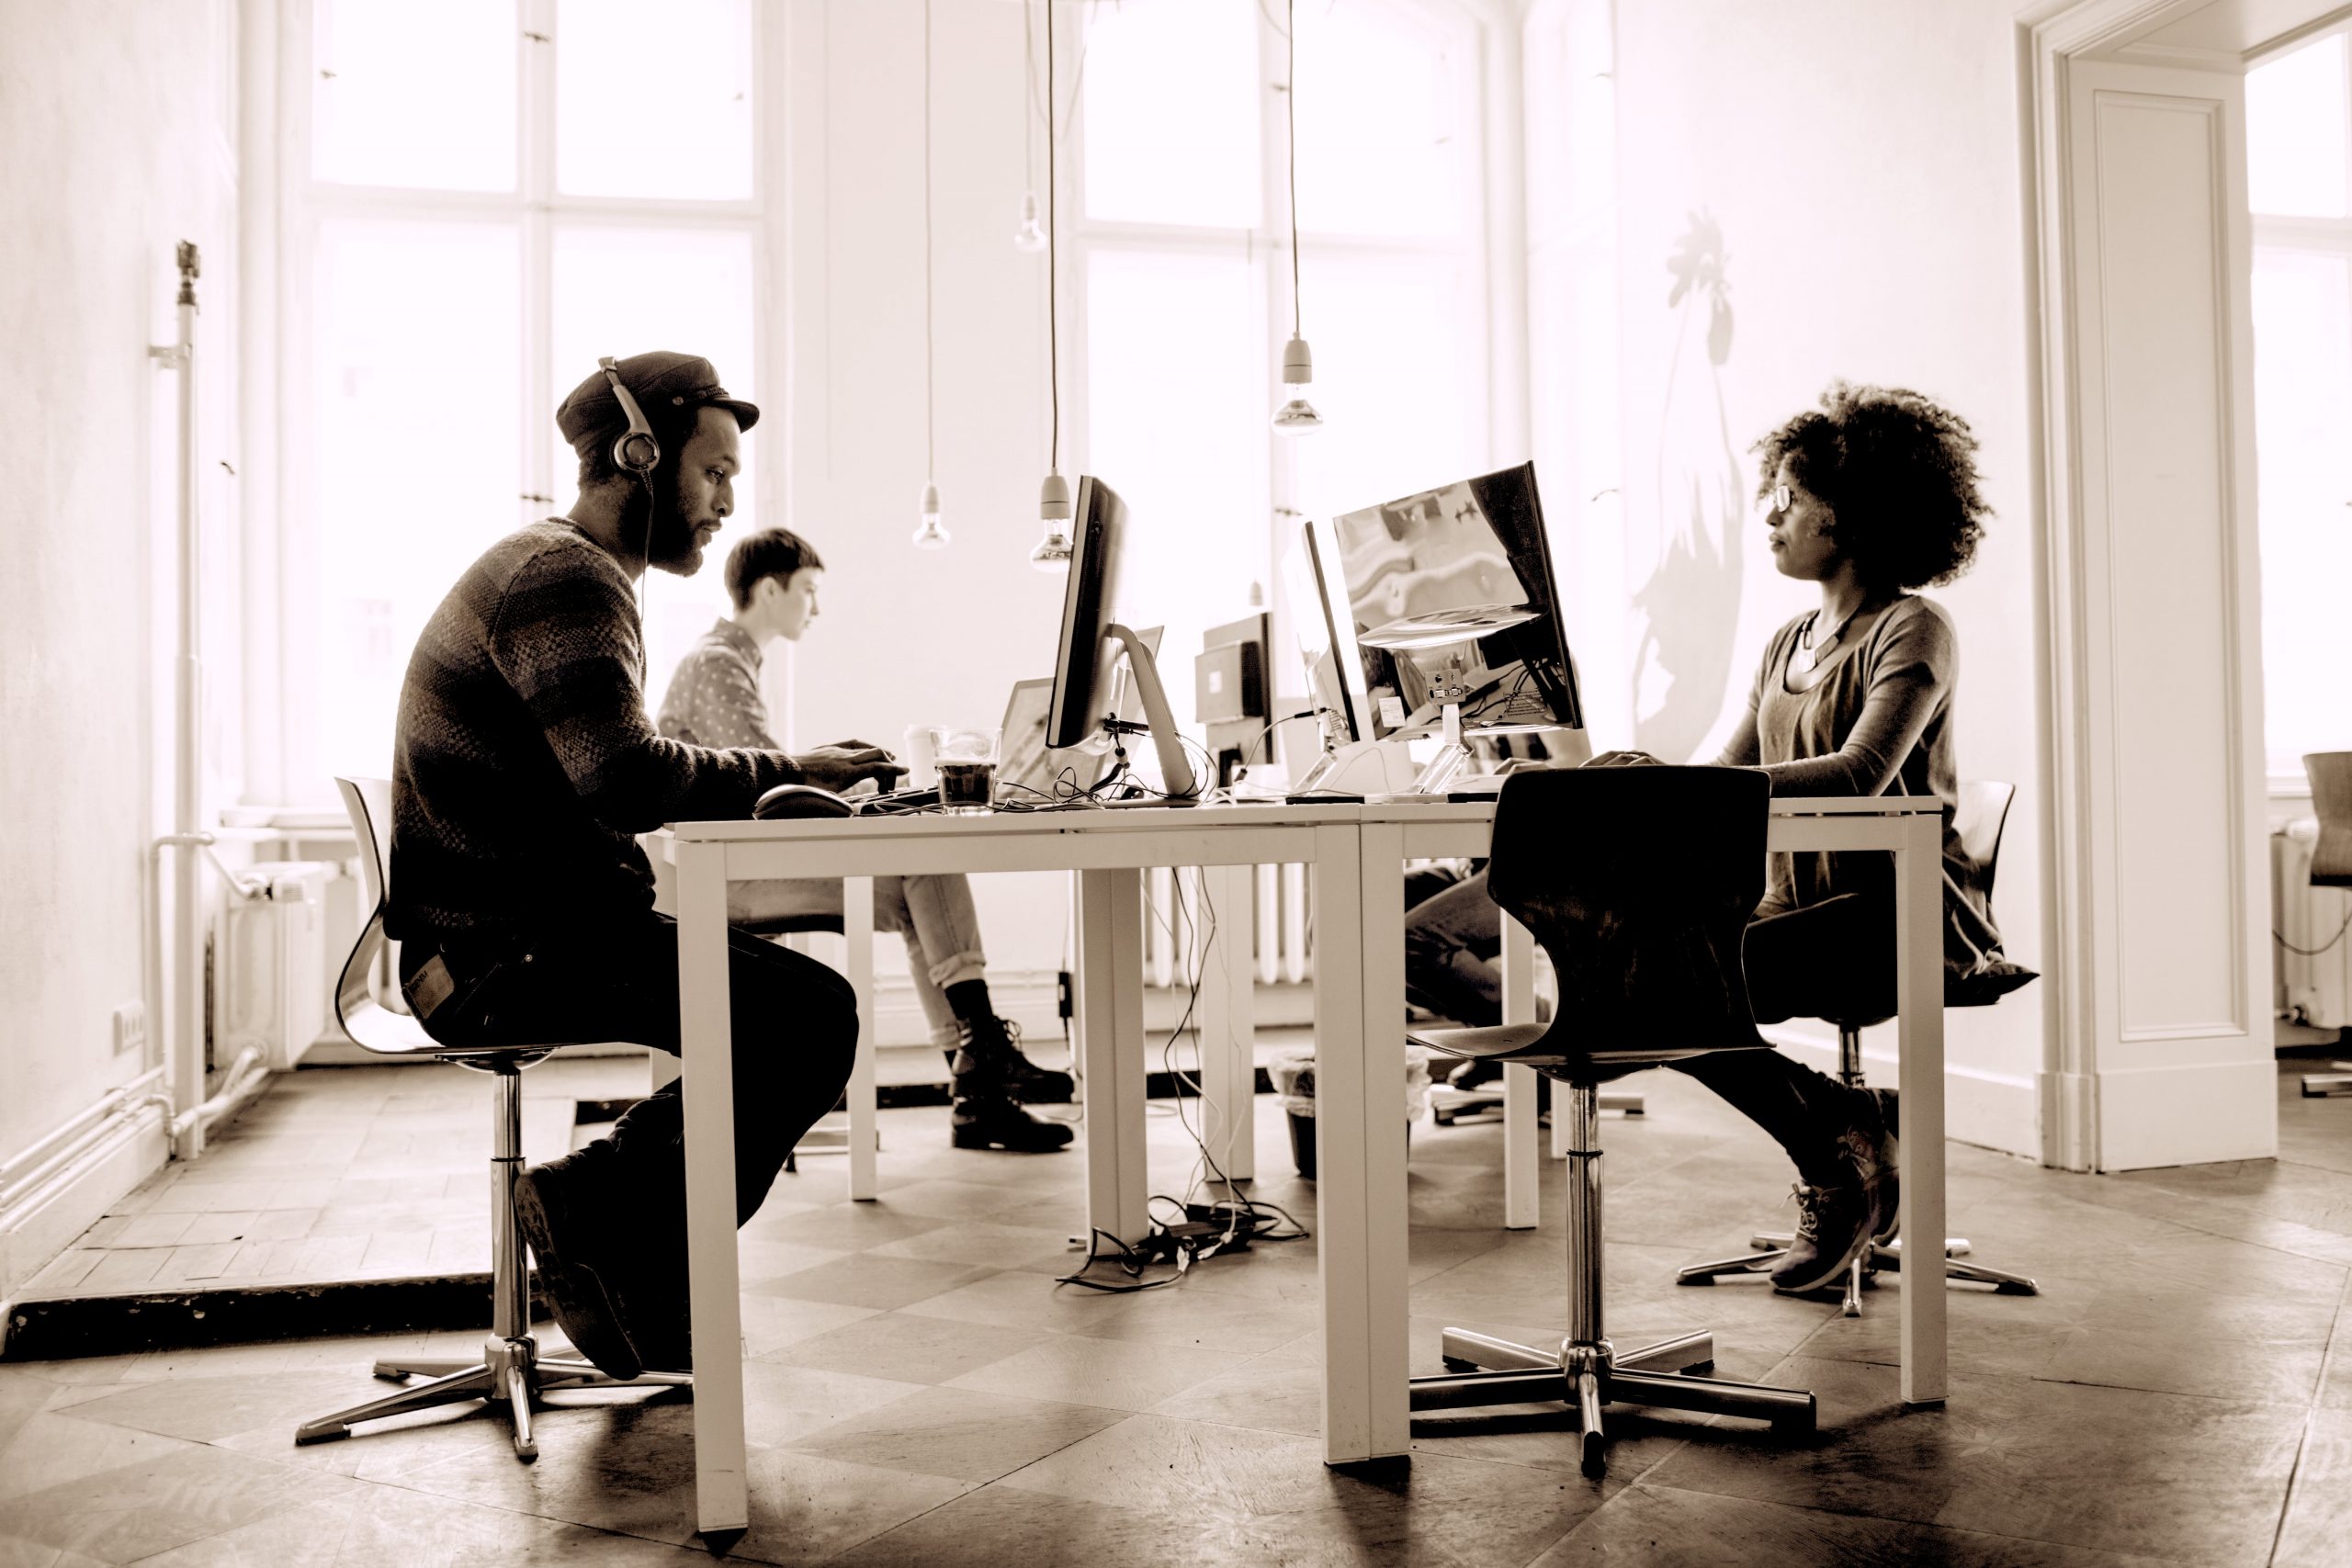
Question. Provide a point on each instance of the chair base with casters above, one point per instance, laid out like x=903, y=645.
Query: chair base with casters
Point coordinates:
x=2323, y=1086
x=1585, y=1371
x=1771, y=1246
x=511, y=1374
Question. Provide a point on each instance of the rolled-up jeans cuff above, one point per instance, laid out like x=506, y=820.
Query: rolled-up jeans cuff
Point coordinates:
x=956, y=968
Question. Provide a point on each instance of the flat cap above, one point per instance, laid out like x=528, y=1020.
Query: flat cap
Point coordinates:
x=667, y=387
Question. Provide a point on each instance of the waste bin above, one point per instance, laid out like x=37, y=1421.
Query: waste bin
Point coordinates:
x=1294, y=1078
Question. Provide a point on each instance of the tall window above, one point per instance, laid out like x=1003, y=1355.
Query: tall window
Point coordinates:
x=1183, y=271
x=495, y=193
x=2298, y=158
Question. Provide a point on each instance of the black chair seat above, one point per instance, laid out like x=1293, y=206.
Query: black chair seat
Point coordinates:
x=1522, y=1043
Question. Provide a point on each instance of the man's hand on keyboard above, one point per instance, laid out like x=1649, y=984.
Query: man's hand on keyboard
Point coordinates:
x=836, y=768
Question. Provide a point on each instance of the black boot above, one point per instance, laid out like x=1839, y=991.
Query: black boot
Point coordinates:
x=567, y=1210
x=990, y=1121
x=991, y=1053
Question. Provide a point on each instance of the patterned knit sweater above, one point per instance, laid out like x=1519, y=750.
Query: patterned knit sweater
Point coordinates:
x=523, y=764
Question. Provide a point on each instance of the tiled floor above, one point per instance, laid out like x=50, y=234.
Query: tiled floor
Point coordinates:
x=921, y=1393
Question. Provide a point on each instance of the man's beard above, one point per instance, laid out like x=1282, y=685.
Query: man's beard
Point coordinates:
x=670, y=546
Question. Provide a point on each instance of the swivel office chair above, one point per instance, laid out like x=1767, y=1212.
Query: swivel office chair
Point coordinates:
x=1977, y=820
x=1639, y=883
x=2331, y=776
x=512, y=1373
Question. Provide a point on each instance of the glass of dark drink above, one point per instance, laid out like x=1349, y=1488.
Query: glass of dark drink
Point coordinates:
x=967, y=762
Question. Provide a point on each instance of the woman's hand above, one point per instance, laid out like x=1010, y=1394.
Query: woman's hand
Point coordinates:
x=1624, y=760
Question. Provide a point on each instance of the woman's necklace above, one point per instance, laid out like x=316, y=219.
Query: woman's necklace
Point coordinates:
x=1808, y=653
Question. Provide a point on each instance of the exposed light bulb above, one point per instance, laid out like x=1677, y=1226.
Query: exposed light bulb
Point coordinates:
x=1053, y=551
x=928, y=535
x=1031, y=235
x=1297, y=416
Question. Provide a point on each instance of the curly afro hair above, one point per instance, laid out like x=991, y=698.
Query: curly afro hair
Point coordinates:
x=1897, y=471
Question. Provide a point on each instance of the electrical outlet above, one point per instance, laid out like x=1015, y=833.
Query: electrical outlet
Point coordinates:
x=131, y=1027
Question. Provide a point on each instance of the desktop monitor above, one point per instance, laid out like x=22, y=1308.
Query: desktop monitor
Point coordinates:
x=1319, y=625
x=1093, y=642
x=1452, y=597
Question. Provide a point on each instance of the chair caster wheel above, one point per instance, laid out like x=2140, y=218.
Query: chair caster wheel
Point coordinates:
x=1695, y=1278
x=391, y=1374
x=2007, y=1288
x=1702, y=1368
x=1443, y=1118
x=1795, y=1425
x=1454, y=1364
x=1596, y=1457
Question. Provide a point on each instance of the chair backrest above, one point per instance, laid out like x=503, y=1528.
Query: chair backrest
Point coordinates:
x=2331, y=776
x=368, y=803
x=1640, y=883
x=1977, y=820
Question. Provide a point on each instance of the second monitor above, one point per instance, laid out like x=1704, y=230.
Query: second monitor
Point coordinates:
x=1093, y=642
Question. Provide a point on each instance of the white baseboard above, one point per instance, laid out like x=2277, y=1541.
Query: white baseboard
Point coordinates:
x=45, y=1222
x=2196, y=1114
x=1993, y=1110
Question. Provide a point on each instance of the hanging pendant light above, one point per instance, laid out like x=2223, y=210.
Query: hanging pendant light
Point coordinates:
x=928, y=535
x=1053, y=551
x=1297, y=416
x=1031, y=235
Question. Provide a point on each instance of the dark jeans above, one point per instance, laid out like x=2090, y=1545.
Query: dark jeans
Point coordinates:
x=1835, y=956
x=795, y=1032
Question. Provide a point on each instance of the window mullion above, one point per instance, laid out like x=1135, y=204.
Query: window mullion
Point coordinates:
x=1283, y=489
x=538, y=141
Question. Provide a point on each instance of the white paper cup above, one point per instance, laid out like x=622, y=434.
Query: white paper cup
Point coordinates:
x=919, y=756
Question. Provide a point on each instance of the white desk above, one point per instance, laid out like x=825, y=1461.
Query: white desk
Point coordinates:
x=1356, y=855
x=1109, y=850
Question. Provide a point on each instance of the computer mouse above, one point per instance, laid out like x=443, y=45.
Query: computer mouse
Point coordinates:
x=792, y=800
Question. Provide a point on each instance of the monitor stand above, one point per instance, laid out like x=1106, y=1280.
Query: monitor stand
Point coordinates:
x=1175, y=768
x=1451, y=760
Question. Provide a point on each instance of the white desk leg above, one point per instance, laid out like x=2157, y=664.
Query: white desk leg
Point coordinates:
x=1521, y=1177
x=721, y=1499
x=858, y=937
x=1361, y=1197
x=1111, y=1045
x=1228, y=1020
x=1920, y=1000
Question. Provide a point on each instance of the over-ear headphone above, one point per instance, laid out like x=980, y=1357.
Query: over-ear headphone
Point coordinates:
x=634, y=449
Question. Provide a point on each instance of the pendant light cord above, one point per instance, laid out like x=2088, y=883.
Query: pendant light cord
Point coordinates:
x=1290, y=110
x=930, y=373
x=1052, y=236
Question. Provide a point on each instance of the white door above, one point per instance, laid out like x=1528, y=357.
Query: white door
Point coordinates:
x=2165, y=1056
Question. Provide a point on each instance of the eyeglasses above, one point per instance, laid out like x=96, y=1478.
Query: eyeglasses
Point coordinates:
x=1779, y=499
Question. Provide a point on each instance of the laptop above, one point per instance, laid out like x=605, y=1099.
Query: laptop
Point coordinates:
x=1030, y=772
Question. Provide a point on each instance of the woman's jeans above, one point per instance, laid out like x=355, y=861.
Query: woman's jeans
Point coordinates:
x=934, y=914
x=1835, y=956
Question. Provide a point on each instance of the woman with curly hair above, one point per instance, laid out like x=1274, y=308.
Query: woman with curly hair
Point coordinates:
x=1873, y=495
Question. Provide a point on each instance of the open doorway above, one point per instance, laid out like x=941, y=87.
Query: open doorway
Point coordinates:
x=2299, y=187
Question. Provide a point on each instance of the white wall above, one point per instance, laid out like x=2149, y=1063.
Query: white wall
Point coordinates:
x=1860, y=165
x=119, y=142
x=907, y=637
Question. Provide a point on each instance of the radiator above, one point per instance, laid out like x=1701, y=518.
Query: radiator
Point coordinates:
x=270, y=993
x=2314, y=990
x=1279, y=950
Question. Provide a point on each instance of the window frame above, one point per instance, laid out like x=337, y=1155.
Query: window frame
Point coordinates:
x=280, y=770
x=2320, y=236
x=1491, y=264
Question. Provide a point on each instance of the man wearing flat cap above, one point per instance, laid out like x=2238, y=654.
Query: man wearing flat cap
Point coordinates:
x=524, y=768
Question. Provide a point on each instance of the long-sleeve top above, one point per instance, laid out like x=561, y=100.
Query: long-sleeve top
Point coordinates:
x=524, y=763
x=1879, y=721
x=714, y=697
